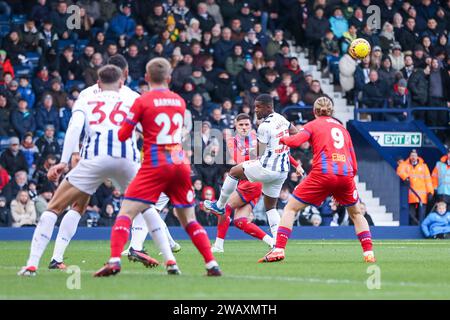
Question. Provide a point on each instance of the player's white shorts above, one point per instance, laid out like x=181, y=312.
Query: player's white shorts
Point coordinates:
x=162, y=202
x=89, y=174
x=272, y=180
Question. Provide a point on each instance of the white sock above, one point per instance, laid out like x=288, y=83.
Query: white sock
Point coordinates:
x=268, y=239
x=228, y=187
x=41, y=237
x=219, y=243
x=67, y=230
x=138, y=233
x=212, y=263
x=273, y=216
x=169, y=236
x=155, y=226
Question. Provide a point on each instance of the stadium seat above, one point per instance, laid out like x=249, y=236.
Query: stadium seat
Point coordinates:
x=65, y=43
x=134, y=85
x=80, y=45
x=23, y=70
x=18, y=19
x=74, y=83
x=4, y=143
x=4, y=30
x=33, y=57
x=4, y=19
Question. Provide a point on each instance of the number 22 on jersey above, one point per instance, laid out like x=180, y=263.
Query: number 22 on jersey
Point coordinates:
x=168, y=125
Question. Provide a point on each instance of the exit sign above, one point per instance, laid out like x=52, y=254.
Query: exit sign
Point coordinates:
x=397, y=139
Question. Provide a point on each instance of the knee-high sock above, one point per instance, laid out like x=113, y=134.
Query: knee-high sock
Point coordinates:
x=222, y=227
x=200, y=239
x=252, y=229
x=283, y=235
x=365, y=238
x=228, y=187
x=273, y=216
x=138, y=233
x=67, y=230
x=119, y=236
x=41, y=237
x=156, y=228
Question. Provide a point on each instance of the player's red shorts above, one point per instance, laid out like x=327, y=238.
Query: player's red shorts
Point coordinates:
x=172, y=179
x=317, y=187
x=250, y=192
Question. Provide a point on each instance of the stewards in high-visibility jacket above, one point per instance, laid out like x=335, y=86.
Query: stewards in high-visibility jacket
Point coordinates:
x=415, y=171
x=441, y=178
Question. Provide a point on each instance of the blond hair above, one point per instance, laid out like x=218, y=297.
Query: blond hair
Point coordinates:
x=158, y=70
x=323, y=106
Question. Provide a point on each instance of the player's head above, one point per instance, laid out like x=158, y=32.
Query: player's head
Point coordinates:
x=110, y=77
x=119, y=60
x=243, y=124
x=263, y=105
x=158, y=72
x=323, y=107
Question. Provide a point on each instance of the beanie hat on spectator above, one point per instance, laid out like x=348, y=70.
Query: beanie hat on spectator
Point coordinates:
x=193, y=20
x=418, y=47
x=47, y=187
x=14, y=140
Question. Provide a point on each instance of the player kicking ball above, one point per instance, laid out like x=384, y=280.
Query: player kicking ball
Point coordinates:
x=165, y=167
x=242, y=147
x=271, y=169
x=333, y=170
x=103, y=156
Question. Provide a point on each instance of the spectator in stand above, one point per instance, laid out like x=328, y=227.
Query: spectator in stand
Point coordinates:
x=216, y=119
x=48, y=38
x=22, y=119
x=32, y=189
x=5, y=66
x=415, y=172
x=40, y=175
x=363, y=207
x=6, y=128
x=397, y=57
x=182, y=72
x=29, y=150
x=437, y=224
x=42, y=200
x=5, y=213
x=58, y=94
x=156, y=22
x=386, y=73
x=437, y=94
x=40, y=11
x=14, y=47
x=23, y=212
x=90, y=72
x=338, y=23
x=47, y=144
x=68, y=67
x=29, y=35
x=107, y=216
x=205, y=216
x=387, y=37
x=104, y=192
x=60, y=18
x=418, y=85
x=408, y=69
x=223, y=48
x=347, y=76
x=408, y=37
x=286, y=88
x=12, y=159
x=26, y=90
x=46, y=114
x=114, y=200
x=19, y=183
x=41, y=82
x=235, y=62
x=348, y=37
x=4, y=178
x=374, y=94
x=247, y=76
x=316, y=28
x=313, y=93
x=122, y=25
x=224, y=88
x=441, y=178
x=401, y=99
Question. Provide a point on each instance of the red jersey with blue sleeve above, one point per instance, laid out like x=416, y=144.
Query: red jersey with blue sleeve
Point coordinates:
x=331, y=144
x=161, y=114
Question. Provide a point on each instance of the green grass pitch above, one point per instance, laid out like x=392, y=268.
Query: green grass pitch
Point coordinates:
x=312, y=270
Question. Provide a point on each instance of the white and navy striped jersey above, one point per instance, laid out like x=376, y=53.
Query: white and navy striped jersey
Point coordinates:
x=270, y=131
x=104, y=112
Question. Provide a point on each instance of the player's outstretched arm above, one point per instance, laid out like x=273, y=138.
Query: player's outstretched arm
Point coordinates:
x=296, y=140
x=128, y=125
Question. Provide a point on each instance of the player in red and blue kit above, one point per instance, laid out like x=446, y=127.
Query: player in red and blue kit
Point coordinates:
x=164, y=169
x=333, y=170
x=242, y=147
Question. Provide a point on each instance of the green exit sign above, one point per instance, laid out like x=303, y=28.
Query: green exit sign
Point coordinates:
x=397, y=139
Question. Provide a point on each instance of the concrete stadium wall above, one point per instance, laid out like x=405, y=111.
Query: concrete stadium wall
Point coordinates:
x=301, y=233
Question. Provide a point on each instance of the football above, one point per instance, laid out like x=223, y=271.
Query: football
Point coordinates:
x=359, y=48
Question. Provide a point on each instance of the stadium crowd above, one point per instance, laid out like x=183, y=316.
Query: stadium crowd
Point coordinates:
x=224, y=53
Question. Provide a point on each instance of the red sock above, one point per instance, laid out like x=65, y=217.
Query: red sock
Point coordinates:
x=224, y=223
x=119, y=235
x=200, y=239
x=366, y=240
x=283, y=235
x=249, y=228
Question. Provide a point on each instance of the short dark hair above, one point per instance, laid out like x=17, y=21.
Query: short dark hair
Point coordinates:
x=243, y=116
x=118, y=60
x=109, y=74
x=264, y=99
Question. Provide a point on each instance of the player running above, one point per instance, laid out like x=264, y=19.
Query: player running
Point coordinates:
x=242, y=147
x=69, y=223
x=103, y=156
x=333, y=170
x=271, y=169
x=164, y=169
